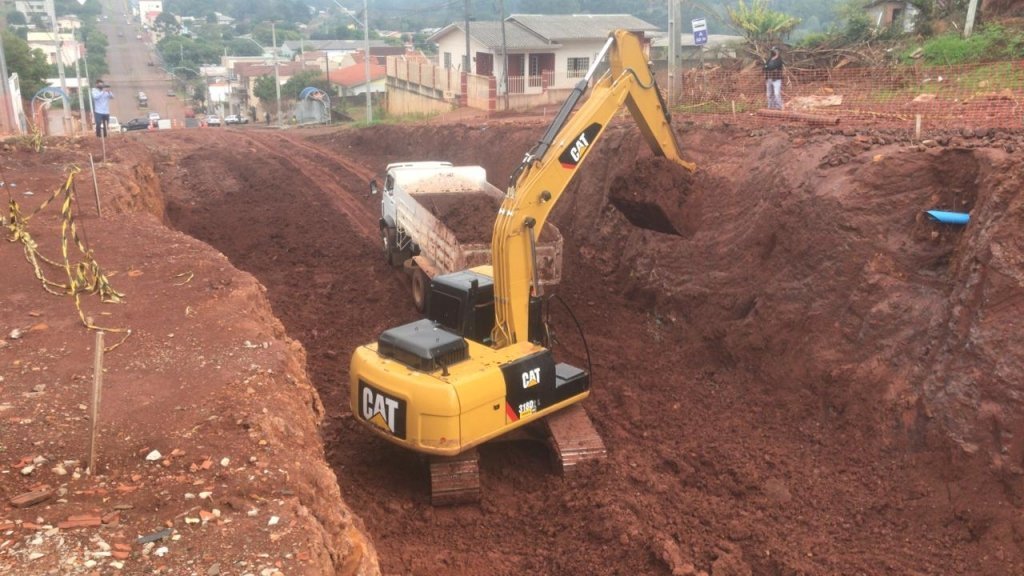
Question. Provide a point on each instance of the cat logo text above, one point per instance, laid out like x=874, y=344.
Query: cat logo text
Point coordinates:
x=531, y=378
x=574, y=154
x=382, y=410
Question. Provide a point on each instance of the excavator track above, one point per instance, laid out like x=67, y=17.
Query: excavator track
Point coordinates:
x=455, y=479
x=573, y=439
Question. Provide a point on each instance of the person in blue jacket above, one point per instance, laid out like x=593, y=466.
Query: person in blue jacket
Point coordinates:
x=101, y=97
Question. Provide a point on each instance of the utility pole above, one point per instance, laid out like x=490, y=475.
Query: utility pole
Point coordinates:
x=366, y=49
x=972, y=11
x=277, y=76
x=504, y=56
x=673, y=46
x=59, y=57
x=81, y=87
x=469, y=62
x=366, y=46
x=88, y=83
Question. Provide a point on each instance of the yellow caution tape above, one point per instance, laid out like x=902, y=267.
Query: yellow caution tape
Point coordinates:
x=85, y=277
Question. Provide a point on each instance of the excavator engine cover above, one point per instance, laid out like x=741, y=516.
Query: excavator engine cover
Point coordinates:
x=423, y=345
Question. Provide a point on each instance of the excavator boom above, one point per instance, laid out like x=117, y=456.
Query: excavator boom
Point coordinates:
x=545, y=173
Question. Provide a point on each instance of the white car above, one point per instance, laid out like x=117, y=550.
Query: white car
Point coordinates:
x=113, y=126
x=154, y=116
x=213, y=121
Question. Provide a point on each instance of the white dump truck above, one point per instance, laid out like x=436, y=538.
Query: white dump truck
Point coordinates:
x=438, y=218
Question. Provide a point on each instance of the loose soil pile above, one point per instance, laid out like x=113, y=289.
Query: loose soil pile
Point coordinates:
x=804, y=376
x=470, y=216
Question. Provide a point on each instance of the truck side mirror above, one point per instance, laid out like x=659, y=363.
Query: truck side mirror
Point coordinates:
x=373, y=186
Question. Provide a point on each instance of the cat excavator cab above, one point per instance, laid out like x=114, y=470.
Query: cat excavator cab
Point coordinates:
x=477, y=367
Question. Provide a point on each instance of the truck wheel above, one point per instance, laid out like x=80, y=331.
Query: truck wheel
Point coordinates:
x=387, y=238
x=420, y=285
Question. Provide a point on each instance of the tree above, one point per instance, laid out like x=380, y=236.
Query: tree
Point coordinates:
x=761, y=25
x=167, y=23
x=30, y=65
x=15, y=18
x=304, y=79
x=265, y=89
x=243, y=47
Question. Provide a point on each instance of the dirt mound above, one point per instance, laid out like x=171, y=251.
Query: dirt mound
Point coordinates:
x=469, y=216
x=207, y=438
x=653, y=196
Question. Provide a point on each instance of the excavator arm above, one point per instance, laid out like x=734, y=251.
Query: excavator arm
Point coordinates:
x=538, y=183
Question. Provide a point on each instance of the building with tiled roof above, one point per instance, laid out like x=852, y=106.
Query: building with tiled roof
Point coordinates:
x=543, y=51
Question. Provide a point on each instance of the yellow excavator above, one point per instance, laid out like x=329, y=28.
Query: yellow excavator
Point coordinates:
x=477, y=368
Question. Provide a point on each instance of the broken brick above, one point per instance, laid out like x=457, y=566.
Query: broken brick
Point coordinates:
x=81, y=521
x=31, y=498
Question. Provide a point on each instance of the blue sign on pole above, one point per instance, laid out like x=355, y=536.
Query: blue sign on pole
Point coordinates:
x=700, y=31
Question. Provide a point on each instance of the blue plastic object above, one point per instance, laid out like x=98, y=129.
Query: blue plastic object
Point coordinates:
x=960, y=218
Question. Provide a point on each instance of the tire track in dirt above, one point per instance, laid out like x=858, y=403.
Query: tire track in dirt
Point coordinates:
x=337, y=177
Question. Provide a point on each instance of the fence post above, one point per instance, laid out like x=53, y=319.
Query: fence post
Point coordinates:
x=97, y=392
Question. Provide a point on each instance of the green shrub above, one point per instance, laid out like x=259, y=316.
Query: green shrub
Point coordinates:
x=991, y=43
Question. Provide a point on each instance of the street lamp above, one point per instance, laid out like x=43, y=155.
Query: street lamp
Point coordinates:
x=366, y=46
x=277, y=77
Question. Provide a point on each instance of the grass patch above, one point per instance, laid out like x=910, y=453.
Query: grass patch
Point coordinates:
x=991, y=43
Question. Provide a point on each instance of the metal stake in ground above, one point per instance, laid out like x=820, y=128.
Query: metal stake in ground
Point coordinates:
x=97, y=392
x=95, y=187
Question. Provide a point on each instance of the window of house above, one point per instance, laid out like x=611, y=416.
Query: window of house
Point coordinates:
x=447, y=59
x=577, y=67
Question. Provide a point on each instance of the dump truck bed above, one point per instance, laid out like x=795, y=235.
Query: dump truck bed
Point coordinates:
x=450, y=216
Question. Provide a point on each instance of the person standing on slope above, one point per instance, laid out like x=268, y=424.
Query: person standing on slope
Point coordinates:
x=773, y=79
x=101, y=97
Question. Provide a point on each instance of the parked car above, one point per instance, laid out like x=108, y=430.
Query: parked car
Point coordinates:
x=113, y=126
x=154, y=116
x=236, y=119
x=135, y=124
x=213, y=121
x=171, y=92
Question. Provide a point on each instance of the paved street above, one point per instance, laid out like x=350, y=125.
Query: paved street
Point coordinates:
x=129, y=70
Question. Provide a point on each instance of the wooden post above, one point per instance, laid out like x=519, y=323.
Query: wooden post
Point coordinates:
x=97, y=393
x=917, y=127
x=95, y=187
x=734, y=108
x=972, y=10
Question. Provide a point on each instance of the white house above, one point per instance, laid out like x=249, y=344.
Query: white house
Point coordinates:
x=32, y=8
x=48, y=43
x=543, y=51
x=149, y=10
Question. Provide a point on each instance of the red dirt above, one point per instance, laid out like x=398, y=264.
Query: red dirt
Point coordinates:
x=470, y=216
x=810, y=378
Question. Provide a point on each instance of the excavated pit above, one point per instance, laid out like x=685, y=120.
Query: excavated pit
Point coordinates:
x=794, y=372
